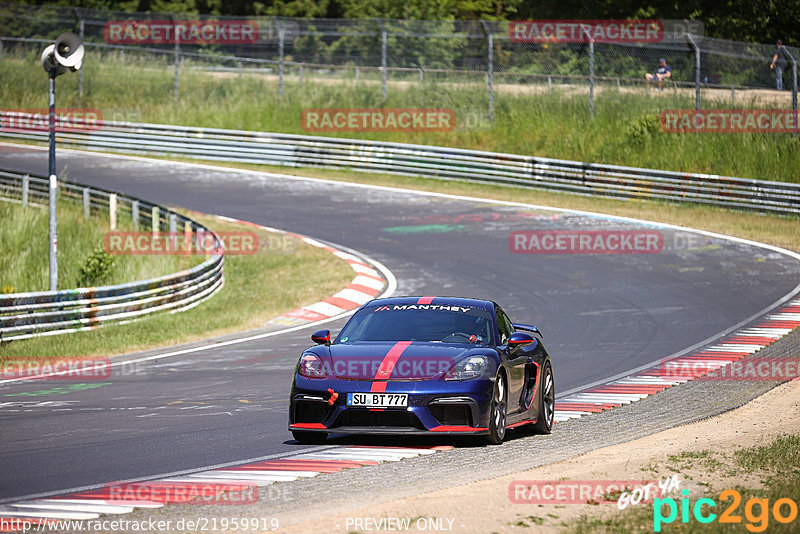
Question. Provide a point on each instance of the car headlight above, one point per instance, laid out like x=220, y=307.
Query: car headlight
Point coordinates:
x=468, y=368
x=312, y=366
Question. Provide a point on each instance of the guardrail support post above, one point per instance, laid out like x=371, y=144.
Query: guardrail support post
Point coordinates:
x=25, y=187
x=87, y=205
x=112, y=211
x=696, y=70
x=135, y=214
x=490, y=67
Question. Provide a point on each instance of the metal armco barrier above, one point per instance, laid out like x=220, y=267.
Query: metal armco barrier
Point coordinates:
x=431, y=162
x=26, y=315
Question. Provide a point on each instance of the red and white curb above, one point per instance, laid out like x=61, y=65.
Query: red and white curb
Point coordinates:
x=731, y=348
x=367, y=285
x=199, y=488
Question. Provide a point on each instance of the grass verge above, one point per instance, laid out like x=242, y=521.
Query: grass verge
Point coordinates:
x=82, y=262
x=771, y=476
x=257, y=288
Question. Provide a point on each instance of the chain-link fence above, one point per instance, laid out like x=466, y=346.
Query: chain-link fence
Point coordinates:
x=469, y=66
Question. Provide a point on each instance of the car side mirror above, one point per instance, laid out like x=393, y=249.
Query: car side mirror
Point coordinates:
x=518, y=339
x=321, y=337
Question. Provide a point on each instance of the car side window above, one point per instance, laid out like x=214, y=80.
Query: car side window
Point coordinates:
x=504, y=327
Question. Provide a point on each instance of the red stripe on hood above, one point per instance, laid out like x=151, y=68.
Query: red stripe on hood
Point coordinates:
x=425, y=300
x=387, y=366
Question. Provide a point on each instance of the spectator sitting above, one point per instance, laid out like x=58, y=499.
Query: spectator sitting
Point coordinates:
x=663, y=72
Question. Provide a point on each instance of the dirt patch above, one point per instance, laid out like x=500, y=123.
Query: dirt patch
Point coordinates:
x=699, y=453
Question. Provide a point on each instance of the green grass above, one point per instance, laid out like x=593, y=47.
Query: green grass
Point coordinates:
x=24, y=265
x=775, y=465
x=624, y=130
x=257, y=288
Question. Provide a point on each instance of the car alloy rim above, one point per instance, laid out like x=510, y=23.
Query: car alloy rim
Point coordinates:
x=548, y=398
x=500, y=408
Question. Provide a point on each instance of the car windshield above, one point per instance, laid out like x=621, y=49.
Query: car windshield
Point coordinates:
x=412, y=322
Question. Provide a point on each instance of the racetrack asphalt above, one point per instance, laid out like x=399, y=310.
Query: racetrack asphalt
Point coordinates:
x=601, y=314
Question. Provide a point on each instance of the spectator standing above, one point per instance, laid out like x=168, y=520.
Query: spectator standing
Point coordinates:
x=778, y=64
x=662, y=73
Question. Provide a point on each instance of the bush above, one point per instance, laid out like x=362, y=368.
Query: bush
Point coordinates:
x=96, y=268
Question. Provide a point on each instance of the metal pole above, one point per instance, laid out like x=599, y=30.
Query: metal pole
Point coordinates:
x=177, y=58
x=794, y=88
x=383, y=59
x=53, y=184
x=490, y=67
x=280, y=60
x=87, y=203
x=80, y=72
x=25, y=189
x=591, y=70
x=696, y=70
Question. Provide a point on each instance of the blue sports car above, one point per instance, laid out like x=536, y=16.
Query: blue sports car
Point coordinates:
x=420, y=365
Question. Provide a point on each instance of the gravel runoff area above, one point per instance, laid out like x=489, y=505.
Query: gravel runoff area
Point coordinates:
x=339, y=493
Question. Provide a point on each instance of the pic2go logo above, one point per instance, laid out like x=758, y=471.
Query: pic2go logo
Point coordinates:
x=756, y=511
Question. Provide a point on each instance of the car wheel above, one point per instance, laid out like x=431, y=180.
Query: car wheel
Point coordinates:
x=497, y=411
x=309, y=438
x=547, y=402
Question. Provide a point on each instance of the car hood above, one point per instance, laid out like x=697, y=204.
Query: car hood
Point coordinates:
x=395, y=360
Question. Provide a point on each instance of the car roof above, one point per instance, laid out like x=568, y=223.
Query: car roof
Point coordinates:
x=441, y=301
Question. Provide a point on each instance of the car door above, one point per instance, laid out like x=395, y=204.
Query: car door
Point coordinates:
x=517, y=358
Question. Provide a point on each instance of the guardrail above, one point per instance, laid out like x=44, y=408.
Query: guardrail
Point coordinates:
x=26, y=315
x=428, y=161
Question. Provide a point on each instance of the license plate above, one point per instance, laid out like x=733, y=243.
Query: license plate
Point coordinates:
x=378, y=400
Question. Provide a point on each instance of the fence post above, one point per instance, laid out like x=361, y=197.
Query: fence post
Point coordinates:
x=187, y=237
x=383, y=59
x=696, y=70
x=135, y=214
x=281, y=35
x=490, y=67
x=177, y=57
x=1, y=49
x=112, y=211
x=25, y=185
x=356, y=73
x=154, y=222
x=421, y=76
x=87, y=203
x=794, y=88
x=239, y=66
x=549, y=84
x=591, y=69
x=173, y=231
x=302, y=71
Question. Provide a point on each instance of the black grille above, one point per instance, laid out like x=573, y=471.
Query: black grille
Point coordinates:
x=310, y=411
x=452, y=414
x=388, y=418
